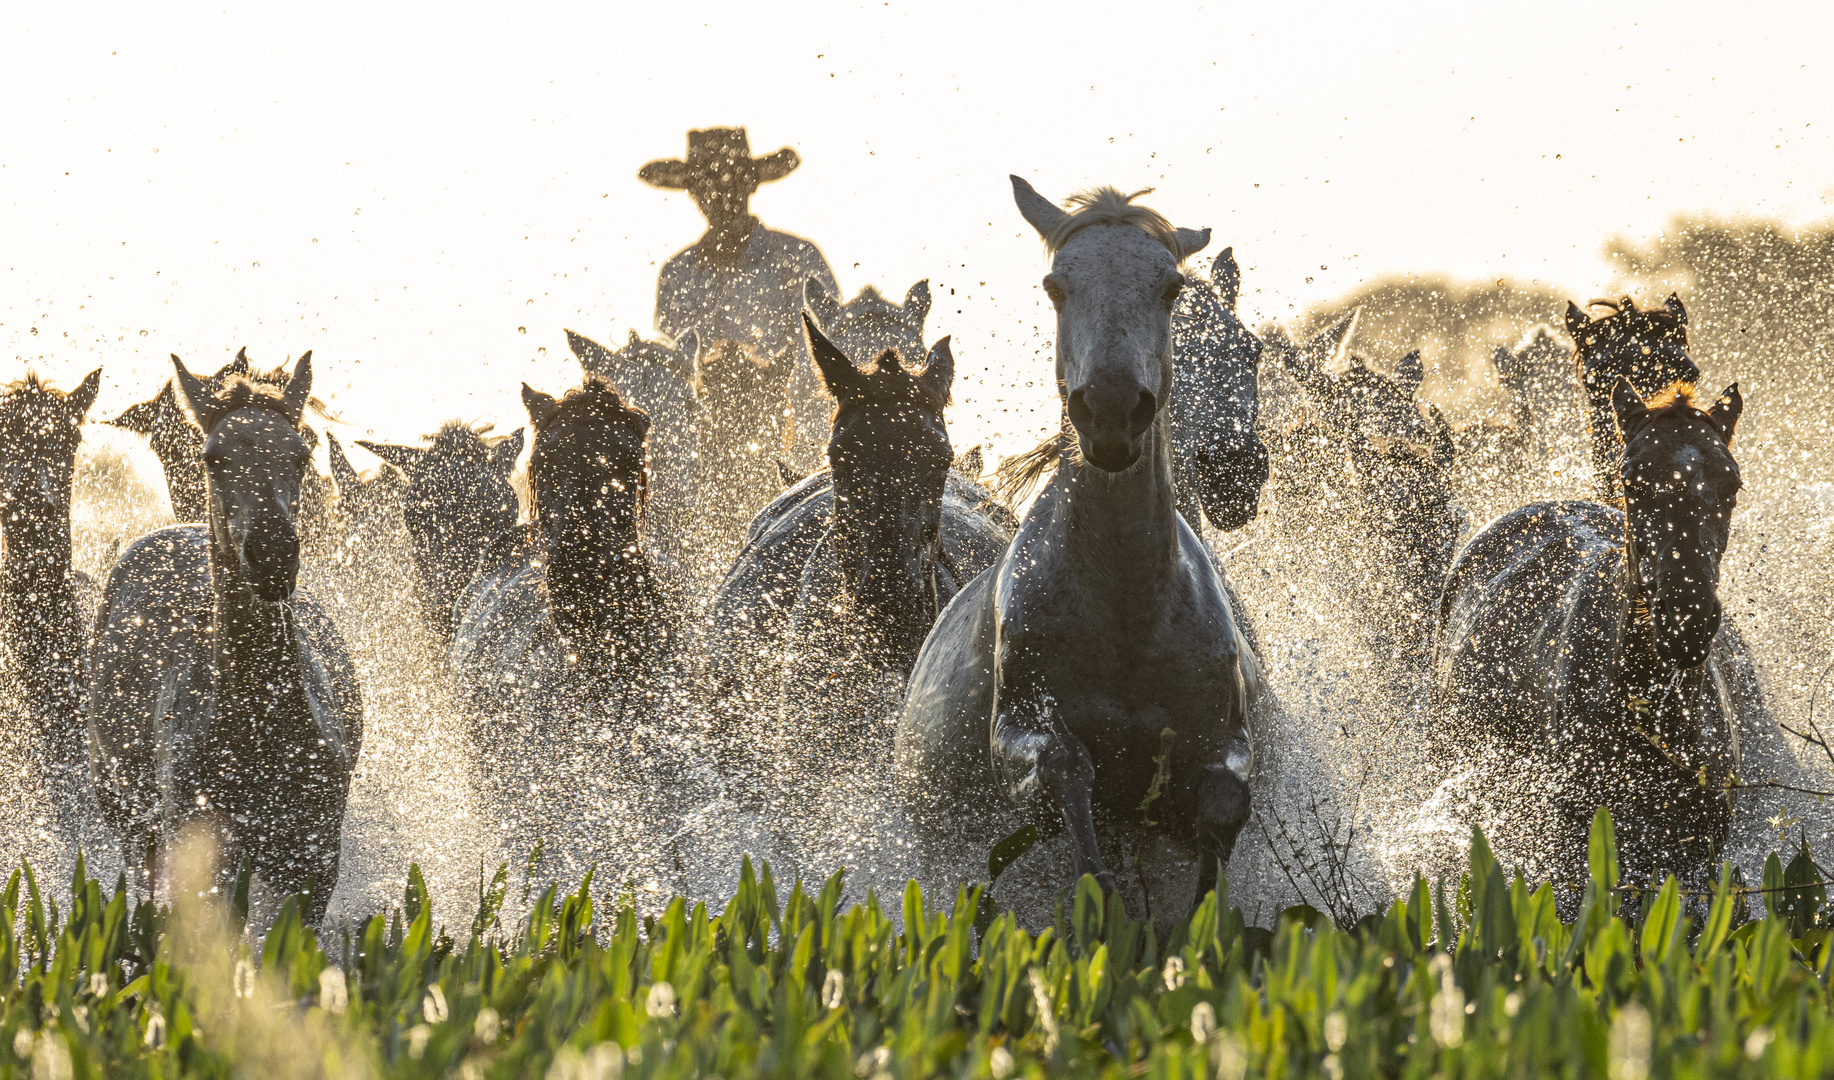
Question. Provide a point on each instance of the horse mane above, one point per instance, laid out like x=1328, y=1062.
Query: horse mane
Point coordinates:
x=455, y=438
x=1107, y=206
x=1675, y=398
x=1017, y=476
x=242, y=392
x=595, y=398
x=30, y=383
x=888, y=382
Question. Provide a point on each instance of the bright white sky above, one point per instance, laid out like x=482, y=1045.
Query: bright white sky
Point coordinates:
x=407, y=190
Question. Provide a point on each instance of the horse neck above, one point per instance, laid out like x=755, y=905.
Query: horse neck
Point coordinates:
x=1123, y=525
x=42, y=624
x=254, y=645
x=595, y=589
x=1639, y=661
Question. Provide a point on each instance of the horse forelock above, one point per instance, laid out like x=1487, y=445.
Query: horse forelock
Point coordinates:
x=455, y=438
x=1107, y=206
x=241, y=392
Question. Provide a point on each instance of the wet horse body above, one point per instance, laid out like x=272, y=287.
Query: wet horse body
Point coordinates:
x=1099, y=660
x=1587, y=641
x=562, y=635
x=41, y=618
x=844, y=575
x=217, y=689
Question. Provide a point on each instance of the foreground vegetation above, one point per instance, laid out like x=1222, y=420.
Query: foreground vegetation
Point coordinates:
x=1476, y=978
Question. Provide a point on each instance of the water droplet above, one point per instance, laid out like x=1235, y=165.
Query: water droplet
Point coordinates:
x=522, y=329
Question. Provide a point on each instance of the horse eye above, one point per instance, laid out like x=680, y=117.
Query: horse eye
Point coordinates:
x=1053, y=290
x=1173, y=288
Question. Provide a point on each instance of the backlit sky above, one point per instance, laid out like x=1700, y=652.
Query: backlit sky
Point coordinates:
x=426, y=195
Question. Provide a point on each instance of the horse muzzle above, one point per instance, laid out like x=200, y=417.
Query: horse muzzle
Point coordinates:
x=1111, y=423
x=270, y=559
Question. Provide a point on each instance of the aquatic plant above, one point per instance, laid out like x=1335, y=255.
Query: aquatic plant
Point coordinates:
x=1479, y=977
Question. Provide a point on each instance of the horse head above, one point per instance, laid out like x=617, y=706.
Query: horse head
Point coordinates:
x=1680, y=486
x=588, y=478
x=457, y=500
x=176, y=441
x=890, y=455
x=1216, y=397
x=39, y=431
x=1648, y=348
x=255, y=462
x=869, y=324
x=1114, y=281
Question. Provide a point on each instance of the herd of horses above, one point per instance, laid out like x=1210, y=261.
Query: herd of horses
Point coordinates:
x=1078, y=668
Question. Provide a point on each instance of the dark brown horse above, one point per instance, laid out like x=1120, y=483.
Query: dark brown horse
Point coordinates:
x=842, y=578
x=1586, y=644
x=562, y=635
x=41, y=624
x=217, y=689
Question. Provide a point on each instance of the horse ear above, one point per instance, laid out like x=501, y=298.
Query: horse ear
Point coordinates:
x=79, y=400
x=836, y=370
x=1632, y=414
x=635, y=338
x=971, y=464
x=342, y=472
x=1505, y=363
x=1444, y=448
x=298, y=393
x=1410, y=372
x=1725, y=412
x=826, y=307
x=1191, y=241
x=238, y=366
x=1036, y=209
x=1227, y=277
x=142, y=418
x=939, y=376
x=592, y=356
x=917, y=304
x=503, y=455
x=786, y=474
x=1673, y=306
x=195, y=397
x=541, y=407
x=686, y=360
x=405, y=458
x=1576, y=319
x=1628, y=305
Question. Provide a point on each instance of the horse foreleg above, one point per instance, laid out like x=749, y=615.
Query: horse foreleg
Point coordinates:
x=1047, y=774
x=1222, y=809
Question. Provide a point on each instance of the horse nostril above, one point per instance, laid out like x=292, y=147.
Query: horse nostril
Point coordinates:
x=1142, y=416
x=1080, y=415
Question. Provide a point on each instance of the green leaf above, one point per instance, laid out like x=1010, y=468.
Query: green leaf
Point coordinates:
x=1719, y=916
x=1661, y=922
x=1601, y=857
x=1007, y=851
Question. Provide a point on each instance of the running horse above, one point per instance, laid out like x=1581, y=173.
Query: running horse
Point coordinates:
x=1095, y=674
x=1588, y=641
x=218, y=689
x=1219, y=463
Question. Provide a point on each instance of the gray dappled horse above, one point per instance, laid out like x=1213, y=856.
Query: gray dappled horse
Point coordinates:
x=664, y=381
x=1219, y=463
x=457, y=500
x=840, y=581
x=1097, y=666
x=1586, y=643
x=562, y=634
x=41, y=617
x=217, y=690
x=1543, y=391
x=869, y=324
x=1649, y=348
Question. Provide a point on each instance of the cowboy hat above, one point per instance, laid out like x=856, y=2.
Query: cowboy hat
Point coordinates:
x=724, y=152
